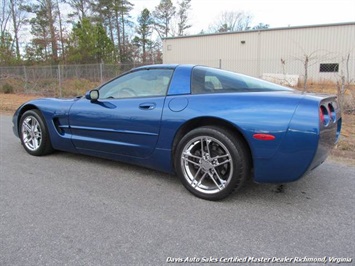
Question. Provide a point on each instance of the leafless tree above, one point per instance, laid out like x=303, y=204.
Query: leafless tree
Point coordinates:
x=309, y=59
x=4, y=16
x=344, y=83
x=61, y=36
x=231, y=21
x=18, y=17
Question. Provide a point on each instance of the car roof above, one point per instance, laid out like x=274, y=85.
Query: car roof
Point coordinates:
x=167, y=66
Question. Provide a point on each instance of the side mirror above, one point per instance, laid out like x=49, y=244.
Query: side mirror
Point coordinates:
x=92, y=95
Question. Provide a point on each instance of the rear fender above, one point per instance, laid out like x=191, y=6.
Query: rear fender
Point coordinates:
x=306, y=144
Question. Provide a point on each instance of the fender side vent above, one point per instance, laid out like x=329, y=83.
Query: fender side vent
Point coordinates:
x=58, y=126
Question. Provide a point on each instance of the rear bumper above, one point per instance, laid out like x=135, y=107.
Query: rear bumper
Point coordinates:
x=328, y=138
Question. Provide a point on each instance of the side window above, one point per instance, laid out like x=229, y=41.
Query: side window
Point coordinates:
x=140, y=83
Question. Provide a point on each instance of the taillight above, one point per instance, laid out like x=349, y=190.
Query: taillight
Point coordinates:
x=324, y=115
x=332, y=113
x=321, y=115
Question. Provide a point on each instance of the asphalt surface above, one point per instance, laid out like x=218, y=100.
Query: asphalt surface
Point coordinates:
x=67, y=209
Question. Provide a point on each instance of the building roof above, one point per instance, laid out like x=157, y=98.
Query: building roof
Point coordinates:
x=263, y=30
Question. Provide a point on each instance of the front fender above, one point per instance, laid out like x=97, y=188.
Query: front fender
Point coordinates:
x=56, y=116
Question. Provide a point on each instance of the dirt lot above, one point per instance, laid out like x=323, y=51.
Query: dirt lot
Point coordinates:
x=10, y=102
x=344, y=151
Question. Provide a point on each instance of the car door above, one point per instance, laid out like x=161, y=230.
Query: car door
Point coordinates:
x=125, y=120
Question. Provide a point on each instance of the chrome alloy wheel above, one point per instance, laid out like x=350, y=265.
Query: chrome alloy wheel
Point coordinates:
x=31, y=133
x=207, y=164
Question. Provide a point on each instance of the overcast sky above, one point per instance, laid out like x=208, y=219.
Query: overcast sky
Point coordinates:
x=276, y=13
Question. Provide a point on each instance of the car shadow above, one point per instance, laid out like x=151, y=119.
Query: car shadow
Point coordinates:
x=249, y=192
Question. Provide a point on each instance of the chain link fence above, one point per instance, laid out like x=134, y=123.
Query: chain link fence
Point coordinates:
x=60, y=80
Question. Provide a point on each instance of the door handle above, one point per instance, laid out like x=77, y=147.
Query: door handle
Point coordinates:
x=147, y=106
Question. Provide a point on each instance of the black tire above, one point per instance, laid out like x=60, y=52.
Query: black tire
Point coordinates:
x=33, y=133
x=215, y=170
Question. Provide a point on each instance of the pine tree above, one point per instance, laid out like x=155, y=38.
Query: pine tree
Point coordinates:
x=81, y=8
x=163, y=14
x=144, y=31
x=7, y=55
x=89, y=44
x=184, y=7
x=44, y=30
x=114, y=14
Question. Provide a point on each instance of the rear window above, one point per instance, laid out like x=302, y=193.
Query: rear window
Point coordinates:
x=211, y=80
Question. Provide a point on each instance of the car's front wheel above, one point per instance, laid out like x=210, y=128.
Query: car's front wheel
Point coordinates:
x=34, y=133
x=211, y=162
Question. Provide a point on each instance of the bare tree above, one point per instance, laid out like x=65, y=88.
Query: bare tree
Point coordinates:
x=16, y=22
x=231, y=21
x=344, y=82
x=50, y=6
x=124, y=9
x=309, y=59
x=60, y=21
x=4, y=16
x=6, y=50
x=261, y=26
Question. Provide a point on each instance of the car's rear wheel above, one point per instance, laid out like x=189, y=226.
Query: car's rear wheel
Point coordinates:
x=34, y=133
x=211, y=162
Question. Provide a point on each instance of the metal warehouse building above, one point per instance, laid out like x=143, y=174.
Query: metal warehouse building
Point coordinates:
x=320, y=52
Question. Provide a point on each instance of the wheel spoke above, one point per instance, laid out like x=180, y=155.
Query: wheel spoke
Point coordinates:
x=214, y=181
x=221, y=156
x=202, y=150
x=26, y=126
x=195, y=176
x=189, y=154
x=200, y=182
x=29, y=143
x=34, y=124
x=221, y=163
x=222, y=182
x=205, y=147
x=32, y=143
x=208, y=141
x=35, y=143
x=26, y=140
x=190, y=161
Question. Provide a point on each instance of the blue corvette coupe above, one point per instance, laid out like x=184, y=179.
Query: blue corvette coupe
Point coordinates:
x=213, y=128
